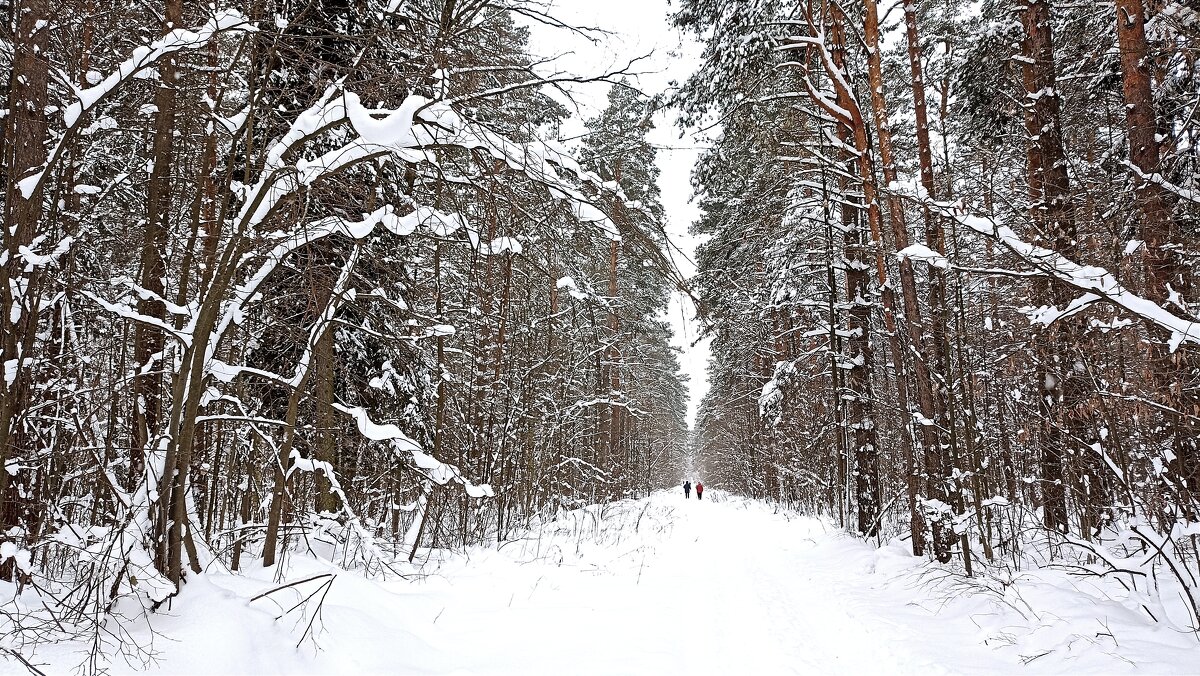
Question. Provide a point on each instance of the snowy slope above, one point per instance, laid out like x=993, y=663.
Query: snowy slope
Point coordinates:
x=656, y=586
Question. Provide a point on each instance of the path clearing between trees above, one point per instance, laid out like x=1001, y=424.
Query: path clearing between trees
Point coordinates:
x=658, y=586
x=730, y=588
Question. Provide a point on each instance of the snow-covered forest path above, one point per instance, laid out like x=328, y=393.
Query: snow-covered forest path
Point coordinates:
x=728, y=586
x=661, y=585
x=730, y=589
x=720, y=588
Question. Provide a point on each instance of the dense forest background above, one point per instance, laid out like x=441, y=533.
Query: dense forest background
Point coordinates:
x=312, y=276
x=951, y=276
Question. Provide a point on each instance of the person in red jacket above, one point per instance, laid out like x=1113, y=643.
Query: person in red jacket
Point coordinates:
x=699, y=491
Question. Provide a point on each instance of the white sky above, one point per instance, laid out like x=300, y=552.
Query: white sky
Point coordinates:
x=639, y=27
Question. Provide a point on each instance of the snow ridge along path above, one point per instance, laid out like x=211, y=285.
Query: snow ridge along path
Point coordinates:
x=661, y=585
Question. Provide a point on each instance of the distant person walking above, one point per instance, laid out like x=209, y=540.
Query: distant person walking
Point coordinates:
x=699, y=491
x=687, y=490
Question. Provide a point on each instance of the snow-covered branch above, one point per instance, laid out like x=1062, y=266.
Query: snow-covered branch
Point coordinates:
x=1088, y=279
x=87, y=98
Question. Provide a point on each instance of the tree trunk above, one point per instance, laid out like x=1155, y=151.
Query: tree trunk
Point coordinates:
x=936, y=348
x=860, y=358
x=149, y=341
x=1141, y=124
x=326, y=442
x=22, y=151
x=1163, y=272
x=1054, y=220
x=613, y=361
x=930, y=444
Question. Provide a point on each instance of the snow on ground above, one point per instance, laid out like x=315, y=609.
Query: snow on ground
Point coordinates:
x=656, y=586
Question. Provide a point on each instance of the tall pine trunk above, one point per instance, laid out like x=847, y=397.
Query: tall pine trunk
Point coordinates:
x=927, y=434
x=936, y=348
x=22, y=151
x=1054, y=220
x=860, y=357
x=1163, y=272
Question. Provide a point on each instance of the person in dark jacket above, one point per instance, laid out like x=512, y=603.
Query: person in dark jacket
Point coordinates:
x=687, y=490
x=699, y=491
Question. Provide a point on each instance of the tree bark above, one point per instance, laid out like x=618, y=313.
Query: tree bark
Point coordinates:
x=1141, y=124
x=613, y=359
x=936, y=348
x=23, y=151
x=1163, y=271
x=149, y=341
x=930, y=444
x=860, y=358
x=326, y=442
x=1053, y=217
